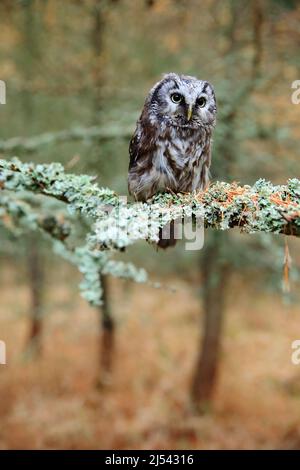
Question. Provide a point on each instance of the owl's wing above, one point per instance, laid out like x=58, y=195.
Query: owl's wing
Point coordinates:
x=134, y=148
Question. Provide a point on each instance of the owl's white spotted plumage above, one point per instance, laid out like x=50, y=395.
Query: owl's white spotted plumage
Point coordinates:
x=171, y=147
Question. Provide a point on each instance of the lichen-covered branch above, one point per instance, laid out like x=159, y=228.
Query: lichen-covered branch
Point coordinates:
x=18, y=217
x=78, y=191
x=118, y=223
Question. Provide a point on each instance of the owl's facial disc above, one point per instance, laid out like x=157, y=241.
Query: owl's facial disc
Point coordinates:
x=186, y=108
x=184, y=101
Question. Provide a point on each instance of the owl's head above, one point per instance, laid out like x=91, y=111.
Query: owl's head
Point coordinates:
x=183, y=101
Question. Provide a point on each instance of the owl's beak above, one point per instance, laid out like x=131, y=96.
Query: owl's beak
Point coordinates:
x=189, y=112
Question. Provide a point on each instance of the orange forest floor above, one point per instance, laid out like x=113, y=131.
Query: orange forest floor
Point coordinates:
x=52, y=402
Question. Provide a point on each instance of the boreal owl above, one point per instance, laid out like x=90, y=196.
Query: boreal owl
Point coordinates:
x=171, y=147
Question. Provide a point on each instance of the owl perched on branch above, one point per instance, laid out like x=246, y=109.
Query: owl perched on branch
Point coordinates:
x=171, y=147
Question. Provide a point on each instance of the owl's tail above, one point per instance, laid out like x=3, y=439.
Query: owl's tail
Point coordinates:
x=167, y=236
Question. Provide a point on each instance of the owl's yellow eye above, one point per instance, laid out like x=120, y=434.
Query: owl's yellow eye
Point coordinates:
x=201, y=102
x=176, y=98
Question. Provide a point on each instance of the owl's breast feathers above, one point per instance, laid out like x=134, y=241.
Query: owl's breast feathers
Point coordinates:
x=168, y=158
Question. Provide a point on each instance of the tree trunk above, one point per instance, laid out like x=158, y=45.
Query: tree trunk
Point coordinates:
x=31, y=52
x=215, y=269
x=107, y=332
x=215, y=273
x=36, y=280
x=107, y=342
